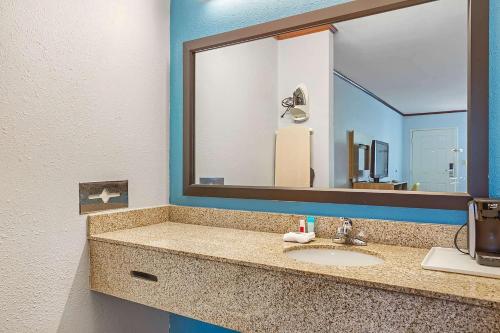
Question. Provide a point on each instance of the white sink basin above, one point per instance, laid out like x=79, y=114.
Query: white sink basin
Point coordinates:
x=334, y=257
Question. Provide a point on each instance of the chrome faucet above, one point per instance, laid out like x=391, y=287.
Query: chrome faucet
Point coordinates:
x=344, y=234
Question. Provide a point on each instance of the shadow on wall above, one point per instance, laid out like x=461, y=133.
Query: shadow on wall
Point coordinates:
x=105, y=312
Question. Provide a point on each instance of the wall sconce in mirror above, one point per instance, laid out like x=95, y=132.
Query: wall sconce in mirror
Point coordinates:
x=299, y=98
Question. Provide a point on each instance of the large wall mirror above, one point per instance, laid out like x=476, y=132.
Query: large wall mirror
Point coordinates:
x=368, y=102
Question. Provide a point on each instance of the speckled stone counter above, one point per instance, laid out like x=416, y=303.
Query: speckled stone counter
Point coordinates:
x=422, y=235
x=242, y=279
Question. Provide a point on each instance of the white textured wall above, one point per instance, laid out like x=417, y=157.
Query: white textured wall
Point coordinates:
x=309, y=60
x=83, y=97
x=236, y=94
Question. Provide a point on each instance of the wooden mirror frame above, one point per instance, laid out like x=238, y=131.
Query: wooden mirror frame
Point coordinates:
x=477, y=118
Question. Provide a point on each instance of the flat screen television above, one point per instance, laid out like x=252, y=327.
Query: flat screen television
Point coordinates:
x=379, y=166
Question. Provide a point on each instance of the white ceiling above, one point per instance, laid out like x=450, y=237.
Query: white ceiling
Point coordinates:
x=415, y=58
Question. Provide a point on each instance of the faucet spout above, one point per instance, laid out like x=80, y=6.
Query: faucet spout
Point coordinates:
x=344, y=234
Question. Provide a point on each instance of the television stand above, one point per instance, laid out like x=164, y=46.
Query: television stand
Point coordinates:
x=401, y=186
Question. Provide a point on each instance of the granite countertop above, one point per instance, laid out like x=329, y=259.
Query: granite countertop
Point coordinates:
x=401, y=270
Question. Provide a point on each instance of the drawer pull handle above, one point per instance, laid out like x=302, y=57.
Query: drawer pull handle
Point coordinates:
x=144, y=276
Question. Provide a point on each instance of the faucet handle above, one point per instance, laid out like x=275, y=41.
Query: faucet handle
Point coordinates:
x=359, y=239
x=346, y=225
x=361, y=235
x=346, y=220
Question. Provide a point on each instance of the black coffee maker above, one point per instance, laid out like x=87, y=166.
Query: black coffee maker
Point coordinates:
x=484, y=231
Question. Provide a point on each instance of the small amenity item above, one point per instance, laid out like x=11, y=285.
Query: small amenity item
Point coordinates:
x=302, y=226
x=299, y=237
x=310, y=223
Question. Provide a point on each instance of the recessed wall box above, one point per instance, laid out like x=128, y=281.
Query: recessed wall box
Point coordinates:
x=99, y=196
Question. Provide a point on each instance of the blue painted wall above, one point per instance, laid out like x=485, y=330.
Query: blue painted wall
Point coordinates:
x=191, y=19
x=179, y=324
x=448, y=120
x=355, y=110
